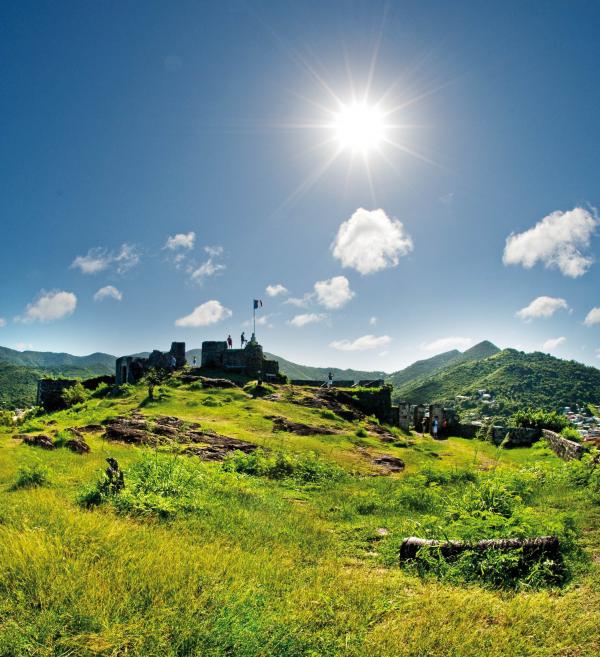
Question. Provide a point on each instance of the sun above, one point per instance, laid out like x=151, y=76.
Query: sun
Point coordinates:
x=359, y=127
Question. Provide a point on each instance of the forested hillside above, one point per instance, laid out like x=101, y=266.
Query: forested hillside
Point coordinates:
x=514, y=379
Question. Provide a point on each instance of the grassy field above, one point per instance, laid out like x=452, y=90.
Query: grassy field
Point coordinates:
x=299, y=558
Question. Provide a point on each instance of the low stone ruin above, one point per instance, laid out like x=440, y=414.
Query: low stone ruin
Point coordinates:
x=547, y=547
x=130, y=369
x=283, y=424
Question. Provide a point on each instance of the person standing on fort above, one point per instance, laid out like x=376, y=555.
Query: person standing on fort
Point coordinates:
x=229, y=342
x=194, y=361
x=243, y=339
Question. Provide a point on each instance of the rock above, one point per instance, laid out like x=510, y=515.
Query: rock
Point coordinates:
x=389, y=462
x=91, y=428
x=283, y=424
x=77, y=445
x=45, y=442
x=217, y=383
x=218, y=446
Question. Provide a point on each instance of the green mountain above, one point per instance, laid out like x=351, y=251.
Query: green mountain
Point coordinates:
x=98, y=362
x=21, y=370
x=422, y=369
x=513, y=378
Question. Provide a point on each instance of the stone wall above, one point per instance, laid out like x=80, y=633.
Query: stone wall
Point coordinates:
x=317, y=383
x=49, y=393
x=404, y=415
x=568, y=450
x=377, y=402
x=130, y=369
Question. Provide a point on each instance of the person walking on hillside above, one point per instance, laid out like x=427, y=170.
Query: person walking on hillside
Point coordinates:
x=243, y=339
x=330, y=379
x=229, y=342
x=194, y=361
x=435, y=427
x=424, y=427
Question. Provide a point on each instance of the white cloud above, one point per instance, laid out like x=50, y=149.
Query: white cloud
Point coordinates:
x=541, y=307
x=49, y=306
x=559, y=241
x=370, y=241
x=99, y=259
x=300, y=302
x=307, y=318
x=205, y=314
x=593, y=317
x=361, y=344
x=206, y=270
x=2, y=322
x=276, y=290
x=108, y=292
x=214, y=251
x=333, y=293
x=23, y=346
x=598, y=353
x=373, y=321
x=96, y=260
x=180, y=241
x=553, y=343
x=446, y=344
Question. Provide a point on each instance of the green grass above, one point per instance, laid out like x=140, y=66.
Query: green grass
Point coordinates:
x=292, y=552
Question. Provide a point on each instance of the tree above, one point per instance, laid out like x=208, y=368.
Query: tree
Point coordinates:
x=155, y=377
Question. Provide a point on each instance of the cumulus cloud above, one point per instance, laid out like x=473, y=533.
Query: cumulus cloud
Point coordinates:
x=446, y=344
x=2, y=322
x=98, y=259
x=205, y=314
x=361, y=344
x=181, y=241
x=370, y=241
x=307, y=318
x=373, y=321
x=276, y=290
x=542, y=307
x=593, y=317
x=108, y=292
x=333, y=293
x=49, y=306
x=559, y=241
x=553, y=343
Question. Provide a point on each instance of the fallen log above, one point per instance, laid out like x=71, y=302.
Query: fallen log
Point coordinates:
x=540, y=547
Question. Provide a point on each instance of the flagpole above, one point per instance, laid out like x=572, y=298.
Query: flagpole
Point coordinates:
x=254, y=319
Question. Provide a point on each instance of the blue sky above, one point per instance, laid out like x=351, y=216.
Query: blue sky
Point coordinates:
x=126, y=124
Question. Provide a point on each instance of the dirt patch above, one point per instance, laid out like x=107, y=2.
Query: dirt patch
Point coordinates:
x=91, y=428
x=283, y=424
x=78, y=445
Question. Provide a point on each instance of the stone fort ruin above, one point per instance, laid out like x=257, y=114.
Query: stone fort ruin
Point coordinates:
x=130, y=369
x=250, y=360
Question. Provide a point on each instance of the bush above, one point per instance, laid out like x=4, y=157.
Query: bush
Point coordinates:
x=156, y=485
x=75, y=394
x=31, y=476
x=570, y=433
x=328, y=414
x=539, y=419
x=304, y=468
x=101, y=390
x=361, y=433
x=6, y=419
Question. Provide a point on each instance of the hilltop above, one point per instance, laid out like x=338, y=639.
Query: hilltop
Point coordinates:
x=288, y=546
x=514, y=379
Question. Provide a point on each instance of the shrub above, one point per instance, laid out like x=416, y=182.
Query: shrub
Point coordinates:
x=101, y=390
x=539, y=419
x=156, y=485
x=6, y=419
x=74, y=394
x=304, y=468
x=328, y=414
x=361, y=432
x=31, y=476
x=570, y=433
